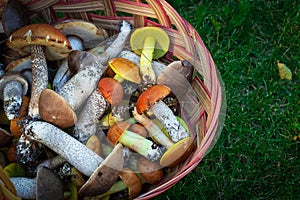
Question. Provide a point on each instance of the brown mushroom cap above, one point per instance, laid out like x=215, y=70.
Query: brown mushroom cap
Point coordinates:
x=150, y=171
x=126, y=69
x=5, y=137
x=132, y=181
x=111, y=90
x=139, y=129
x=148, y=98
x=116, y=131
x=55, y=109
x=58, y=46
x=105, y=175
x=177, y=153
x=90, y=34
x=162, y=40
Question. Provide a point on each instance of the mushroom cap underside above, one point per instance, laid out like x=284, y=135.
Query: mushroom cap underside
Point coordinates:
x=13, y=76
x=58, y=46
x=162, y=40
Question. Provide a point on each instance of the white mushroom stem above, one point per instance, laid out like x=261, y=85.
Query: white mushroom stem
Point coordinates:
x=39, y=78
x=70, y=149
x=12, y=99
x=25, y=187
x=169, y=121
x=81, y=85
x=92, y=111
x=154, y=131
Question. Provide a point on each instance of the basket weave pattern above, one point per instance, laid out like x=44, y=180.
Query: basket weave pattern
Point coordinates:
x=207, y=97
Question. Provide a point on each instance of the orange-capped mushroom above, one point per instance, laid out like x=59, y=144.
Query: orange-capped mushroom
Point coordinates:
x=111, y=90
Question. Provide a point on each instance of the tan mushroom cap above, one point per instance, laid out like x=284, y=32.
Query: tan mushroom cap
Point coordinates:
x=56, y=110
x=132, y=181
x=125, y=69
x=177, y=153
x=58, y=46
x=89, y=33
x=111, y=90
x=162, y=40
x=150, y=96
x=116, y=131
x=150, y=171
x=105, y=175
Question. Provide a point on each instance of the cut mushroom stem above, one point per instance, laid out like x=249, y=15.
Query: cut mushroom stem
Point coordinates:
x=147, y=148
x=13, y=86
x=80, y=156
x=46, y=185
x=176, y=152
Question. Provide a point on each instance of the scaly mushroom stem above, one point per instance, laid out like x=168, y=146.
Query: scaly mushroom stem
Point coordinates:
x=146, y=69
x=76, y=153
x=39, y=78
x=26, y=187
x=93, y=109
x=166, y=117
x=154, y=131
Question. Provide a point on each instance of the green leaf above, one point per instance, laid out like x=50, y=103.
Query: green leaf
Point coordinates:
x=284, y=71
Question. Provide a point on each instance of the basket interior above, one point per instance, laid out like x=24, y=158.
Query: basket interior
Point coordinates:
x=204, y=100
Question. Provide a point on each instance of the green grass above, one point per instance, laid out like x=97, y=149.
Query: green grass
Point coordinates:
x=255, y=156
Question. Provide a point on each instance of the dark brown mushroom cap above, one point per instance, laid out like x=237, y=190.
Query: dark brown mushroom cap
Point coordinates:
x=150, y=171
x=105, y=175
x=150, y=96
x=48, y=186
x=5, y=137
x=116, y=131
x=132, y=181
x=56, y=110
x=177, y=153
x=57, y=45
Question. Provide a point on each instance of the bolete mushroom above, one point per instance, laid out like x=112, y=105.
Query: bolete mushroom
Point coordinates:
x=128, y=181
x=119, y=133
x=102, y=173
x=30, y=39
x=176, y=152
x=13, y=86
x=46, y=185
x=151, y=100
x=150, y=43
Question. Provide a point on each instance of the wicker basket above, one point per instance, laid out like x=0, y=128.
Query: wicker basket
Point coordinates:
x=206, y=115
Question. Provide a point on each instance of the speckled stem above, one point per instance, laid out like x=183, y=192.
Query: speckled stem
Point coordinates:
x=154, y=131
x=141, y=145
x=12, y=99
x=92, y=111
x=39, y=78
x=25, y=187
x=70, y=149
x=166, y=117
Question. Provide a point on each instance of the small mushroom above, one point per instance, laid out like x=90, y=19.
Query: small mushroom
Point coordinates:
x=111, y=90
x=13, y=86
x=30, y=39
x=102, y=173
x=46, y=185
x=176, y=152
x=128, y=180
x=149, y=42
x=120, y=133
x=151, y=100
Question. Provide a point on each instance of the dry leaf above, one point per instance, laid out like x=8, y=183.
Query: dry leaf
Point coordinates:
x=284, y=71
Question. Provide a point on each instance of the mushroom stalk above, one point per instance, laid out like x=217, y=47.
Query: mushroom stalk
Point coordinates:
x=39, y=78
x=93, y=109
x=166, y=117
x=25, y=187
x=70, y=149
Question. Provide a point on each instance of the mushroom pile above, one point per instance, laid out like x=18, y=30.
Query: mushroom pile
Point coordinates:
x=88, y=115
